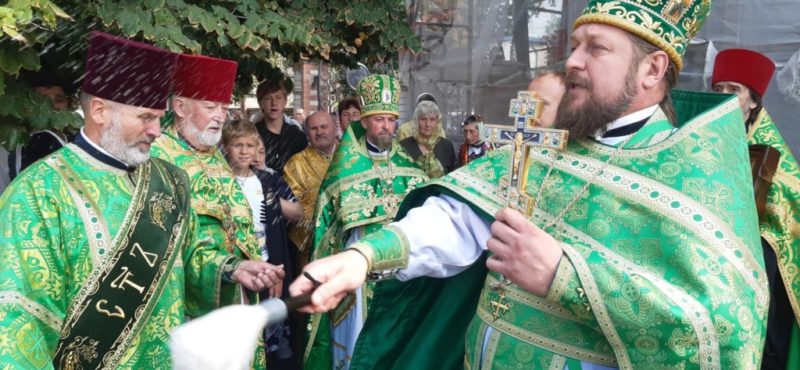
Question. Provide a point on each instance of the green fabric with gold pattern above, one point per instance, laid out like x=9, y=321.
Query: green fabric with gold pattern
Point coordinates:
x=662, y=264
x=63, y=215
x=217, y=198
x=667, y=24
x=119, y=295
x=379, y=94
x=392, y=245
x=359, y=190
x=780, y=226
x=224, y=220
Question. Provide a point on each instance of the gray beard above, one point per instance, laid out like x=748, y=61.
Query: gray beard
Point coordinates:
x=112, y=141
x=381, y=144
x=205, y=137
x=594, y=115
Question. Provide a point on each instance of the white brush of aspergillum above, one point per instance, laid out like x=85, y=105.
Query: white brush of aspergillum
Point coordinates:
x=225, y=339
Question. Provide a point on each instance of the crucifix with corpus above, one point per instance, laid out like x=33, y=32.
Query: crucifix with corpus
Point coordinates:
x=526, y=109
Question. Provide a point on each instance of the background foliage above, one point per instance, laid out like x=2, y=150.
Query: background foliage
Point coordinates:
x=51, y=35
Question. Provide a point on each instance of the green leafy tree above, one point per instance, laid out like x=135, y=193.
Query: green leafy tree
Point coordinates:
x=255, y=33
x=24, y=26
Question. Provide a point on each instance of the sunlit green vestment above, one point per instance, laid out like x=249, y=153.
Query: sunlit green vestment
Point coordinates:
x=224, y=219
x=662, y=264
x=62, y=218
x=217, y=198
x=359, y=190
x=780, y=226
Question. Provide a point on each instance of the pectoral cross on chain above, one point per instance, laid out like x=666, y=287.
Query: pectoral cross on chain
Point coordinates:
x=229, y=225
x=500, y=305
x=526, y=109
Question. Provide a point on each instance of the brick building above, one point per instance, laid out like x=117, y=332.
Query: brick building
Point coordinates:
x=311, y=86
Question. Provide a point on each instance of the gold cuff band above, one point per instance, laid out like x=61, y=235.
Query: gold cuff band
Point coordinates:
x=366, y=251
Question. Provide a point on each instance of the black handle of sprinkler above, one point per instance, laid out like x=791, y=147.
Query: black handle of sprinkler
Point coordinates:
x=293, y=303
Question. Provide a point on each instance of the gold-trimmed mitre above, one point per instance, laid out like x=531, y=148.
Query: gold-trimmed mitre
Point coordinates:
x=667, y=24
x=379, y=94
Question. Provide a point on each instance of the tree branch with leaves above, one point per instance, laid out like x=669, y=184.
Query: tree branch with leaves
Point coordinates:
x=255, y=33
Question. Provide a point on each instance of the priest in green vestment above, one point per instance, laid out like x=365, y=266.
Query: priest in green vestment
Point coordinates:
x=99, y=243
x=369, y=176
x=641, y=250
x=203, y=87
x=747, y=74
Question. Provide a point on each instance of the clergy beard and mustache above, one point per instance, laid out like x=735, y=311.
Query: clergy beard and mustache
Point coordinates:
x=205, y=137
x=383, y=142
x=113, y=141
x=594, y=114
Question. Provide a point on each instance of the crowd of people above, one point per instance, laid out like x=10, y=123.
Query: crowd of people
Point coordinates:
x=654, y=242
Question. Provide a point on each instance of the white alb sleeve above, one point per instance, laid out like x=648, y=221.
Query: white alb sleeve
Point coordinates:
x=445, y=237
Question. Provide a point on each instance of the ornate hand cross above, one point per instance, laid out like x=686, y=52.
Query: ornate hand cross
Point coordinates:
x=526, y=110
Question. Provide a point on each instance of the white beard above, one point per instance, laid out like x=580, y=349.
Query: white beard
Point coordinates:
x=112, y=141
x=205, y=137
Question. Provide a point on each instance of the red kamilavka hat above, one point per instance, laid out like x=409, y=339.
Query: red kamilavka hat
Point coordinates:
x=204, y=78
x=128, y=72
x=746, y=67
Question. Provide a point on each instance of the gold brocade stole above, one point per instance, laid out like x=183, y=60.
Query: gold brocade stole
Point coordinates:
x=528, y=318
x=120, y=294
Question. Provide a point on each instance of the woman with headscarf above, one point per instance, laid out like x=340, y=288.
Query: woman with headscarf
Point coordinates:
x=427, y=146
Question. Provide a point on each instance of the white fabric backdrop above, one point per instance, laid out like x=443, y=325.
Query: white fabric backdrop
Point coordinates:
x=470, y=64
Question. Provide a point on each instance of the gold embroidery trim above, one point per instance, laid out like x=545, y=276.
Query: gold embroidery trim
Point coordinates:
x=86, y=214
x=597, y=302
x=478, y=345
x=402, y=260
x=681, y=215
x=518, y=295
x=491, y=349
x=691, y=127
x=695, y=312
x=560, y=282
x=545, y=342
x=346, y=183
x=366, y=251
x=315, y=323
x=557, y=362
x=32, y=307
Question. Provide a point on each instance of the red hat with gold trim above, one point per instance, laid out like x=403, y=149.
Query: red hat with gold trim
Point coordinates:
x=128, y=72
x=746, y=67
x=205, y=78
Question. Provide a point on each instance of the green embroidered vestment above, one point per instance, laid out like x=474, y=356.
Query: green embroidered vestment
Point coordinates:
x=359, y=190
x=219, y=201
x=780, y=226
x=63, y=218
x=662, y=263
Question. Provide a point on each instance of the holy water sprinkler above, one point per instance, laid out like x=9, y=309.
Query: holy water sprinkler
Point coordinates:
x=226, y=339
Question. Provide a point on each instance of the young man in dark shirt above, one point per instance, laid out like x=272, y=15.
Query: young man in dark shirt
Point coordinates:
x=281, y=139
